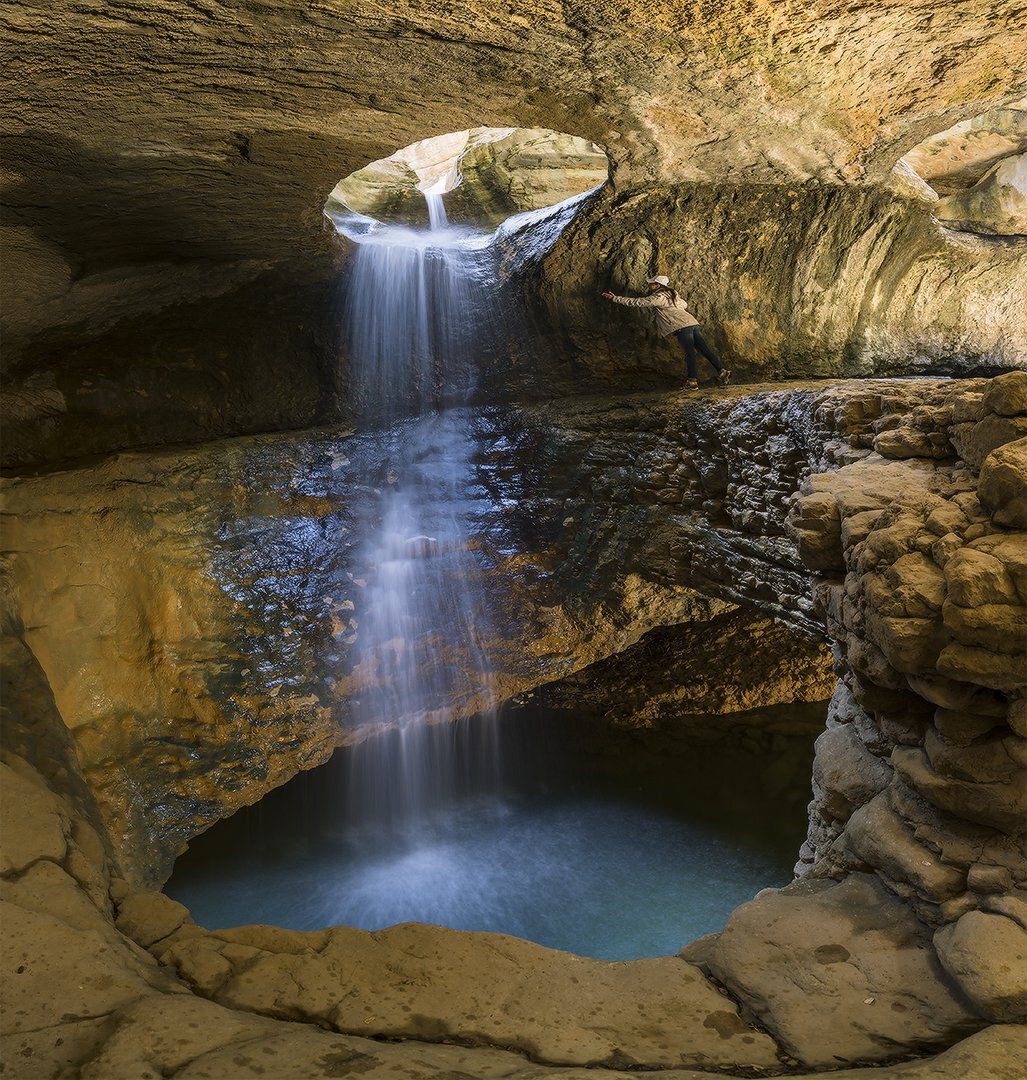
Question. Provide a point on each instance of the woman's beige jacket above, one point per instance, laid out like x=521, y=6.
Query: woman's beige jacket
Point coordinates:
x=671, y=315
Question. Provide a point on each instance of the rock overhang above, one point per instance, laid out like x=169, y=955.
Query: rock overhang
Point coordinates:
x=132, y=216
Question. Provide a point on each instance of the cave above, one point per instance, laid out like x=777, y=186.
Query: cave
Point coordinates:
x=343, y=513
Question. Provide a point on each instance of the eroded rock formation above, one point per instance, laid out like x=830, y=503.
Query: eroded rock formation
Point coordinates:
x=920, y=775
x=694, y=492
x=169, y=276
x=486, y=176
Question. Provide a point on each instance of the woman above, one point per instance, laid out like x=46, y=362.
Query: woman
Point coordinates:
x=673, y=317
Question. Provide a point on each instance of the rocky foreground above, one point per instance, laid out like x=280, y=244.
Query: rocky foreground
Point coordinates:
x=887, y=517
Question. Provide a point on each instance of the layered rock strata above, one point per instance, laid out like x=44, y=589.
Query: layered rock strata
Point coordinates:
x=787, y=282
x=218, y=592
x=921, y=775
x=110, y=982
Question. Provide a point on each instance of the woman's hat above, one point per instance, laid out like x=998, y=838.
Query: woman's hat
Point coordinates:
x=658, y=280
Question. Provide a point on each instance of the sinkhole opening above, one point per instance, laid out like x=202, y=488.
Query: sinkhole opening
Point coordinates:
x=615, y=844
x=481, y=177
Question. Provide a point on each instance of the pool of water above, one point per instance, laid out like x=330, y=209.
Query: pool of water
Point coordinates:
x=607, y=845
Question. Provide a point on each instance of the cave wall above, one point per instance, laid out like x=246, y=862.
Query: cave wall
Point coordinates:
x=920, y=775
x=140, y=227
x=786, y=281
x=217, y=591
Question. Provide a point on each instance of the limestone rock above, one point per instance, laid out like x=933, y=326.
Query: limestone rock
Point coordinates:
x=426, y=982
x=987, y=956
x=1007, y=394
x=1003, y=487
x=838, y=972
x=996, y=204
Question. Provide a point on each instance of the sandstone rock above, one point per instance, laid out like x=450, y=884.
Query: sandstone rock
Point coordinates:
x=996, y=204
x=34, y=826
x=846, y=773
x=1010, y=548
x=1018, y=717
x=999, y=670
x=1007, y=394
x=1013, y=905
x=963, y=728
x=879, y=837
x=909, y=442
x=998, y=757
x=987, y=956
x=999, y=803
x=999, y=628
x=427, y=982
x=807, y=960
x=975, y=442
x=957, y=695
x=955, y=159
x=974, y=577
x=982, y=878
x=148, y=917
x=992, y=1054
x=1003, y=487
x=815, y=524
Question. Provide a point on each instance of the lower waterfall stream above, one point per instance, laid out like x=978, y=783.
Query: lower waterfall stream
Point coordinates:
x=519, y=823
x=611, y=845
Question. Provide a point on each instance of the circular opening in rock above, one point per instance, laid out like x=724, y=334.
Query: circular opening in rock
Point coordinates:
x=483, y=177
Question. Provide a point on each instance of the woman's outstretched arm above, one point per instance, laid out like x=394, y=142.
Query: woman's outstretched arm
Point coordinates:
x=659, y=300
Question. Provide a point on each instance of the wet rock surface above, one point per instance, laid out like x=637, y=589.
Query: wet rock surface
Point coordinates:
x=925, y=714
x=219, y=589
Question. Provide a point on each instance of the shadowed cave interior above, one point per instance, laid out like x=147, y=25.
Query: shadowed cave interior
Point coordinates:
x=403, y=673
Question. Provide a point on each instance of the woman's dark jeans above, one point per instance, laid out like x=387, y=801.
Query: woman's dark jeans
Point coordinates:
x=691, y=339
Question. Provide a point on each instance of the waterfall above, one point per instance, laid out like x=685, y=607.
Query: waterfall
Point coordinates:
x=416, y=305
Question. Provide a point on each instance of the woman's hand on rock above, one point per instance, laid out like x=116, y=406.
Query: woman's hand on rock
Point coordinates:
x=607, y=295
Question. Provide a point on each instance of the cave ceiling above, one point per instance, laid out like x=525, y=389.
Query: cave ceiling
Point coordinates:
x=137, y=132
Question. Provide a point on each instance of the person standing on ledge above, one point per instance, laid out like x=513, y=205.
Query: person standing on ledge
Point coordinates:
x=674, y=318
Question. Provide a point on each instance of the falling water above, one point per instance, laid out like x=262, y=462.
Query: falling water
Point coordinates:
x=417, y=304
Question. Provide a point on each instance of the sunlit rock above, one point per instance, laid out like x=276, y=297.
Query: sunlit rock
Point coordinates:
x=996, y=204
x=959, y=157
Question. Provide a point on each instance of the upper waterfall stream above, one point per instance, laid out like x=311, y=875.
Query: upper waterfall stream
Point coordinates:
x=612, y=845
x=418, y=306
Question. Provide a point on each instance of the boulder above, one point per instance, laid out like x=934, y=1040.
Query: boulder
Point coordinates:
x=987, y=956
x=975, y=442
x=1007, y=394
x=839, y=973
x=1003, y=486
x=427, y=982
